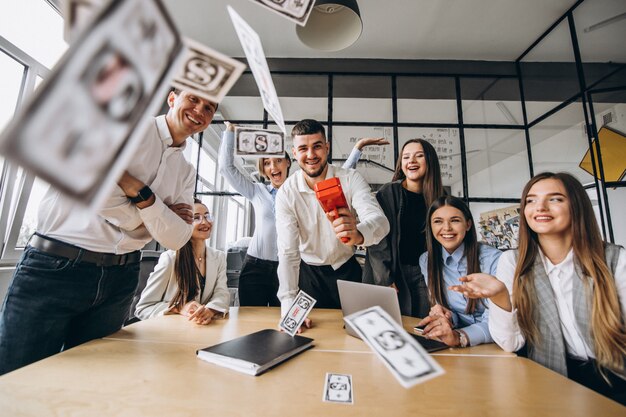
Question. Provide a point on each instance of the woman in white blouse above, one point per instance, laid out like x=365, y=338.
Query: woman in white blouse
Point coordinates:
x=190, y=281
x=562, y=294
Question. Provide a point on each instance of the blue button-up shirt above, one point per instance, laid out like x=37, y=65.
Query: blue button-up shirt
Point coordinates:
x=475, y=325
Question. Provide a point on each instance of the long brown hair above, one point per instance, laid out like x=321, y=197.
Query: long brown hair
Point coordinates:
x=436, y=284
x=187, y=274
x=609, y=334
x=432, y=186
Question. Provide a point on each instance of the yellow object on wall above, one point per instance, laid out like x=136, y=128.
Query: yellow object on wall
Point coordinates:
x=613, y=150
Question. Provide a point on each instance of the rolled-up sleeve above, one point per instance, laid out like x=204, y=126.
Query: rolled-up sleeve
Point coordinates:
x=373, y=223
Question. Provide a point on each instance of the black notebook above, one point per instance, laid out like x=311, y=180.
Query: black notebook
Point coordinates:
x=255, y=353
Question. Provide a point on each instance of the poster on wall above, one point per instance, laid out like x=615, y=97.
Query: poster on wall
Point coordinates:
x=500, y=228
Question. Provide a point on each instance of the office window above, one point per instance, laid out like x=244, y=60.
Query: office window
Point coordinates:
x=34, y=27
x=491, y=101
x=10, y=85
x=426, y=100
x=549, y=72
x=560, y=142
x=362, y=99
x=497, y=162
x=302, y=96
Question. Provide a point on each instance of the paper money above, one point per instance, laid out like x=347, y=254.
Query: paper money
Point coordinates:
x=77, y=16
x=253, y=49
x=338, y=389
x=259, y=143
x=299, y=310
x=295, y=10
x=81, y=127
x=405, y=358
x=207, y=73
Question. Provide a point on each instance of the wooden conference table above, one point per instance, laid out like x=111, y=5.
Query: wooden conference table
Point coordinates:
x=150, y=369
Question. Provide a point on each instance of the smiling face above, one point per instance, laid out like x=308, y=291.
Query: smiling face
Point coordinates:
x=449, y=226
x=414, y=162
x=547, y=208
x=188, y=114
x=276, y=170
x=311, y=152
x=202, y=227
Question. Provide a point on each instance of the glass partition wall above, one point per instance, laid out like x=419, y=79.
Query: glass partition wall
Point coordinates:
x=493, y=126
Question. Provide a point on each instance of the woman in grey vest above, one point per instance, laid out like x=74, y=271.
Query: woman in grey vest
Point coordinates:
x=562, y=294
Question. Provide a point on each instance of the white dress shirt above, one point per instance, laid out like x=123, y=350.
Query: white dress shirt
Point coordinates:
x=162, y=286
x=119, y=226
x=305, y=233
x=504, y=327
x=262, y=196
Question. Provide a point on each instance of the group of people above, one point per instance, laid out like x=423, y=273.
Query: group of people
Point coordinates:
x=560, y=298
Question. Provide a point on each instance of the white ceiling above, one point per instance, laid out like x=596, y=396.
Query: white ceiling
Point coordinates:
x=494, y=30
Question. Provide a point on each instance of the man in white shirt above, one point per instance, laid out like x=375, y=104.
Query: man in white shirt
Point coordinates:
x=311, y=254
x=77, y=276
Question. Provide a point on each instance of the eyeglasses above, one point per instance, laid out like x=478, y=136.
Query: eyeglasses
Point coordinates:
x=197, y=218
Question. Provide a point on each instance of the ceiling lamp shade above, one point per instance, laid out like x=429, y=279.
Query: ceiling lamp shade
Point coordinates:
x=332, y=26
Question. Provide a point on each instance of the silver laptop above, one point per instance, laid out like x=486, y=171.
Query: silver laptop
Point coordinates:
x=356, y=296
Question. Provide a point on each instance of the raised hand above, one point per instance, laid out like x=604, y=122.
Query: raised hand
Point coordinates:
x=481, y=285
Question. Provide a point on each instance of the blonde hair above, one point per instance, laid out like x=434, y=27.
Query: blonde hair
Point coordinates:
x=608, y=332
x=260, y=165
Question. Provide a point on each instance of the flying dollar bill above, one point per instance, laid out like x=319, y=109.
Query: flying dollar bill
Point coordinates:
x=259, y=143
x=295, y=10
x=253, y=49
x=406, y=359
x=206, y=72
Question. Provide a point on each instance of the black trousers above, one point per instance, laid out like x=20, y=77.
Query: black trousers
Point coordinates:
x=586, y=373
x=258, y=282
x=320, y=282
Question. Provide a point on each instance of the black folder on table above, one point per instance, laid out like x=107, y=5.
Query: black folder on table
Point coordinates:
x=257, y=352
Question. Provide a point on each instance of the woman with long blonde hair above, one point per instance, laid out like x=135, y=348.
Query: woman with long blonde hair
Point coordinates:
x=562, y=294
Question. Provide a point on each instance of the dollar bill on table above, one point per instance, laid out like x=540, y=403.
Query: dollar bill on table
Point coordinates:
x=259, y=143
x=404, y=357
x=299, y=310
x=206, y=72
x=77, y=14
x=338, y=389
x=253, y=49
x=295, y=10
x=80, y=129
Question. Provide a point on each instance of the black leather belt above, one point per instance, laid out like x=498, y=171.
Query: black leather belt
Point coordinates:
x=72, y=252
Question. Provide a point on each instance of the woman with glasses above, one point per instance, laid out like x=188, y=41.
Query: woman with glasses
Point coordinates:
x=190, y=281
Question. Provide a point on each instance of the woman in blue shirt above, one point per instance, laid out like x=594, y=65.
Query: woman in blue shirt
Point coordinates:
x=258, y=281
x=453, y=252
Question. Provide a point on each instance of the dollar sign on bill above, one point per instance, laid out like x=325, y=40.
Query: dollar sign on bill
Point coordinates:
x=260, y=143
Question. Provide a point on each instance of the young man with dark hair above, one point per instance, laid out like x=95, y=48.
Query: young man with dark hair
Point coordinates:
x=311, y=253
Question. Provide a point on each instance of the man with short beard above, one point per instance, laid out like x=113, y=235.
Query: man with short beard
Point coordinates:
x=311, y=253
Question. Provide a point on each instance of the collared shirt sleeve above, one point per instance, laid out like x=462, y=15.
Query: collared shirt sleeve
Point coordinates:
x=288, y=234
x=503, y=325
x=120, y=212
x=165, y=226
x=373, y=223
x=352, y=160
x=478, y=333
x=152, y=302
x=220, y=298
x=227, y=168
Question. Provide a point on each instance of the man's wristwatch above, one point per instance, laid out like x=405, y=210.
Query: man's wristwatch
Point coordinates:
x=144, y=194
x=463, y=340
